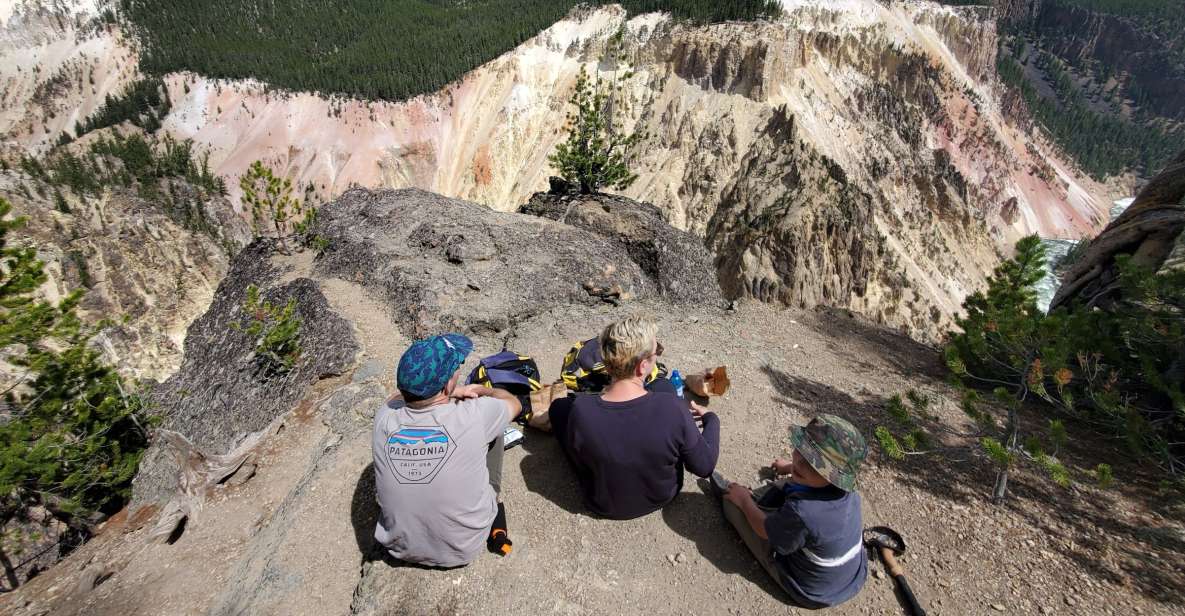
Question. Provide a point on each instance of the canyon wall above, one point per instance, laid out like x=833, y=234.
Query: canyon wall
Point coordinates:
x=849, y=153
x=147, y=267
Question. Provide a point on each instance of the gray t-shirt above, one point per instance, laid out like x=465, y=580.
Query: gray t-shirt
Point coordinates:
x=433, y=486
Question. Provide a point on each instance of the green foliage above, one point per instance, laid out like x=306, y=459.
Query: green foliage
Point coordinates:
x=1103, y=144
x=273, y=208
x=916, y=440
x=1057, y=434
x=1103, y=475
x=1033, y=445
x=119, y=160
x=143, y=104
x=1056, y=471
x=1164, y=17
x=597, y=152
x=888, y=443
x=997, y=452
x=73, y=437
x=1112, y=369
x=897, y=410
x=275, y=330
x=375, y=49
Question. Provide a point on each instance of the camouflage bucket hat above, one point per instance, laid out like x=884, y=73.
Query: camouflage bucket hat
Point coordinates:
x=833, y=447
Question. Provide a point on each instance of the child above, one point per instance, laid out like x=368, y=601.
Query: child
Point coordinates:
x=807, y=530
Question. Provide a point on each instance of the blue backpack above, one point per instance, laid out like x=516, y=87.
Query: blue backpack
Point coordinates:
x=517, y=374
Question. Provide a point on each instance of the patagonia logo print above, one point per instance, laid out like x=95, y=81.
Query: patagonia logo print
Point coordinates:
x=417, y=454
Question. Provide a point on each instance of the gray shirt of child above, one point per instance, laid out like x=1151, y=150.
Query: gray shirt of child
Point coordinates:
x=433, y=486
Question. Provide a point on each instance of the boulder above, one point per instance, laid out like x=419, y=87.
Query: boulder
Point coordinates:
x=441, y=264
x=675, y=261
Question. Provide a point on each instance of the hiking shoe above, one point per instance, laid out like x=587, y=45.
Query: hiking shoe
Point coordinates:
x=719, y=484
x=498, y=541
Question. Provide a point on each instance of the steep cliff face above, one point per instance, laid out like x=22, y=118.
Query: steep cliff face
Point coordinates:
x=60, y=62
x=891, y=109
x=144, y=265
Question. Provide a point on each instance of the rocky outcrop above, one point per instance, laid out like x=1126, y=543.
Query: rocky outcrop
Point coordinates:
x=675, y=261
x=222, y=393
x=446, y=264
x=429, y=264
x=1149, y=232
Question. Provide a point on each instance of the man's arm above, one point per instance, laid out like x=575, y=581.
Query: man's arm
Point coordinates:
x=740, y=496
x=479, y=391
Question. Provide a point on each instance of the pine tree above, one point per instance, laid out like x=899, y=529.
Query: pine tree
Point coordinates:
x=273, y=207
x=72, y=436
x=598, y=152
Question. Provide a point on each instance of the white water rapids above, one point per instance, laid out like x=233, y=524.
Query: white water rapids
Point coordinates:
x=1055, y=251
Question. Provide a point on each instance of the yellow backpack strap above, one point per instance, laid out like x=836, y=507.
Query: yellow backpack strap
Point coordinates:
x=570, y=371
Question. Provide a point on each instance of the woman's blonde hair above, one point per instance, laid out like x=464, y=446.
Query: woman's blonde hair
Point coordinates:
x=626, y=343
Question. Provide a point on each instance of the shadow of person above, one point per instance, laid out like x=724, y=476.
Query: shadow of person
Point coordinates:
x=546, y=472
x=364, y=515
x=698, y=516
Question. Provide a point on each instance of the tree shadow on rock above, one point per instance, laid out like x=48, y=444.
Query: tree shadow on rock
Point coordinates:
x=546, y=472
x=854, y=338
x=1098, y=530
x=1095, y=530
x=699, y=517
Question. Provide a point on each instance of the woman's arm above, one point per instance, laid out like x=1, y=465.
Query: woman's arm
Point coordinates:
x=699, y=451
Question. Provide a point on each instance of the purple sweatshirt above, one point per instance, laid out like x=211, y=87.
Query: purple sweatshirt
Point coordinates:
x=629, y=456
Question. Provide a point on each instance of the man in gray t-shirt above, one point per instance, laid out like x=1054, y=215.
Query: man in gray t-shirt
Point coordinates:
x=438, y=457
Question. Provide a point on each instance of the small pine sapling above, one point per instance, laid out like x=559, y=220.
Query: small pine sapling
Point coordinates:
x=888, y=443
x=598, y=152
x=1104, y=475
x=275, y=331
x=274, y=209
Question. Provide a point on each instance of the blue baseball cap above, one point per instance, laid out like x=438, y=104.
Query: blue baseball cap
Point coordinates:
x=427, y=365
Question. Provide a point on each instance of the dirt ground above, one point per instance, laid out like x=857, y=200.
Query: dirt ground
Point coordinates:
x=295, y=538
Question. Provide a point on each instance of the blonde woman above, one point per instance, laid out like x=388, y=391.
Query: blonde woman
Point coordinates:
x=629, y=445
